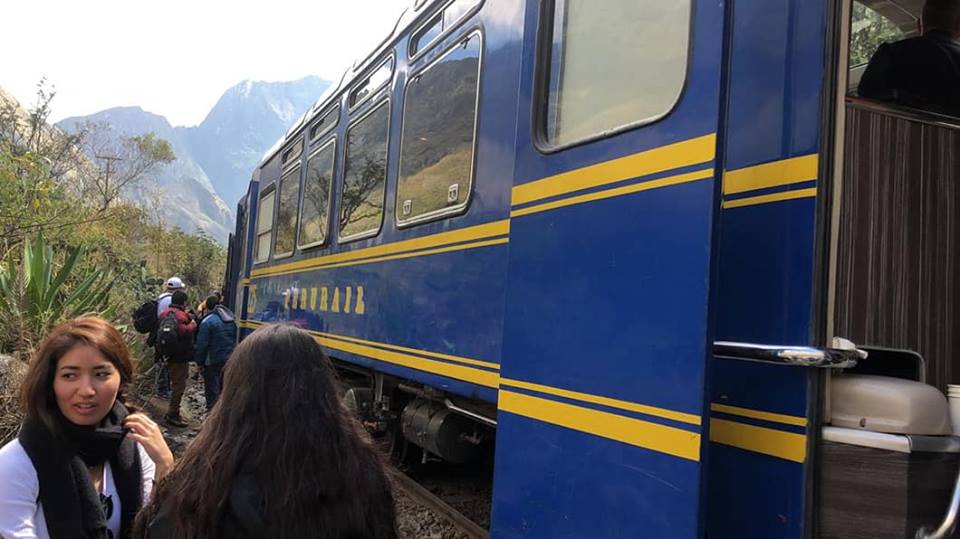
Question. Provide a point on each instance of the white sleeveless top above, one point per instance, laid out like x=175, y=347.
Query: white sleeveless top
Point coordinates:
x=21, y=514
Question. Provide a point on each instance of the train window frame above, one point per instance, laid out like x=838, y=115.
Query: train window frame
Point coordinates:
x=244, y=233
x=294, y=172
x=384, y=102
x=460, y=208
x=257, y=233
x=287, y=157
x=445, y=29
x=315, y=137
x=547, y=27
x=364, y=84
x=333, y=179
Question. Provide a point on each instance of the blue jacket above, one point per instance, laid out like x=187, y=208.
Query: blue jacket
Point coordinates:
x=216, y=337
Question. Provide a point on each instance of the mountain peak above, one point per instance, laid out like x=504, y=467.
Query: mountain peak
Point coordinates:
x=216, y=158
x=246, y=120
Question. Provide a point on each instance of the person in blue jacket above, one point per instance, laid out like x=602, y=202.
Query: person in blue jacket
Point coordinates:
x=216, y=339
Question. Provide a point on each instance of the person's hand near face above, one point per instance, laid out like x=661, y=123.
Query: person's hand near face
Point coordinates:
x=144, y=431
x=86, y=385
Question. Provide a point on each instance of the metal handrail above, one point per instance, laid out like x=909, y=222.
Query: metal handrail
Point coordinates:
x=949, y=520
x=843, y=356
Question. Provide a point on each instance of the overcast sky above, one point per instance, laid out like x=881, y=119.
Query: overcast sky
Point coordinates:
x=175, y=58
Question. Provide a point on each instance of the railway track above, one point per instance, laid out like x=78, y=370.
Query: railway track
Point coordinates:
x=423, y=496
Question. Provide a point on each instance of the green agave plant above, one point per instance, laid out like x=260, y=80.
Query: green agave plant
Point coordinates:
x=40, y=296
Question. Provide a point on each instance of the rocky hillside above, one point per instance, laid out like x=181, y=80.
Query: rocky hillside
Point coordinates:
x=182, y=189
x=244, y=124
x=216, y=158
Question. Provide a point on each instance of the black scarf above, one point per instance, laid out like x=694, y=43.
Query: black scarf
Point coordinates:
x=71, y=506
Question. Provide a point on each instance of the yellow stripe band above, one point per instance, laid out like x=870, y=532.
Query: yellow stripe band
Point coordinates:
x=610, y=193
x=767, y=199
x=364, y=348
x=397, y=249
x=663, y=439
x=605, y=401
x=457, y=372
x=775, y=174
x=457, y=359
x=776, y=443
x=680, y=154
x=758, y=414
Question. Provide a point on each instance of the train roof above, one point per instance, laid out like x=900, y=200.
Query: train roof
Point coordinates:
x=404, y=21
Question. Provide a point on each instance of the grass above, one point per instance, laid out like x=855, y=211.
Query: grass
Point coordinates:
x=428, y=187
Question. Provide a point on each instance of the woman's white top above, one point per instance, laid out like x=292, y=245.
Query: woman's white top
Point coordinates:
x=21, y=515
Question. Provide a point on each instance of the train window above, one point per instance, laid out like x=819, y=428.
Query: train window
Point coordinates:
x=316, y=196
x=440, y=24
x=287, y=213
x=325, y=124
x=365, y=175
x=261, y=250
x=869, y=29
x=585, y=98
x=371, y=84
x=426, y=34
x=291, y=154
x=457, y=10
x=439, y=128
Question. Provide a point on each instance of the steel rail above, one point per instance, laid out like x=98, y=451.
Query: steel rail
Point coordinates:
x=420, y=494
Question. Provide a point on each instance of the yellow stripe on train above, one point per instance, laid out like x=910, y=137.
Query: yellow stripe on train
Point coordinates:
x=479, y=232
x=637, y=432
x=776, y=443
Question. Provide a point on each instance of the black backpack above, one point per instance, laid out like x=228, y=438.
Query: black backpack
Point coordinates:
x=168, y=335
x=145, y=317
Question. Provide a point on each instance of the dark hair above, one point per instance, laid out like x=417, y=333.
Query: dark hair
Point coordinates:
x=36, y=394
x=179, y=298
x=942, y=15
x=211, y=302
x=279, y=420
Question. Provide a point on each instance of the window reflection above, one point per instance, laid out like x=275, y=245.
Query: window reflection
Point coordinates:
x=436, y=156
x=316, y=196
x=364, y=177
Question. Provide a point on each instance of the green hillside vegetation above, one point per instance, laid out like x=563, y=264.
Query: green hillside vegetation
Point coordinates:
x=428, y=188
x=51, y=194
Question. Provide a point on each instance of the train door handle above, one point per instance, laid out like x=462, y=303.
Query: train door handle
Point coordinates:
x=842, y=355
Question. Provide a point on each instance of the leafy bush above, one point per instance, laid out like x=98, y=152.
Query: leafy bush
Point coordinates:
x=36, y=295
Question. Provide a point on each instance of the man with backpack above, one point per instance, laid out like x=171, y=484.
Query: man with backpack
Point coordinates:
x=174, y=345
x=215, y=341
x=146, y=318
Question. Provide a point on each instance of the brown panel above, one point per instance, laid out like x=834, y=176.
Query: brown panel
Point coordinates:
x=897, y=280
x=876, y=494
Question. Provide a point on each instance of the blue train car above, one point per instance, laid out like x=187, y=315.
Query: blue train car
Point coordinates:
x=630, y=246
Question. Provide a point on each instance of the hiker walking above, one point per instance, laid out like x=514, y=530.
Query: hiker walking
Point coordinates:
x=174, y=345
x=216, y=339
x=146, y=318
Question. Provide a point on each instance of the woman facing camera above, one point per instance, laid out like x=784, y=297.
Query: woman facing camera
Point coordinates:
x=278, y=455
x=82, y=465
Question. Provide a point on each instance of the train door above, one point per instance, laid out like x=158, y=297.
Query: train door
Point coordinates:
x=246, y=221
x=602, y=428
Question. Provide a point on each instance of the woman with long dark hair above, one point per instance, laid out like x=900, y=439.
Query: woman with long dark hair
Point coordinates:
x=278, y=456
x=82, y=465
